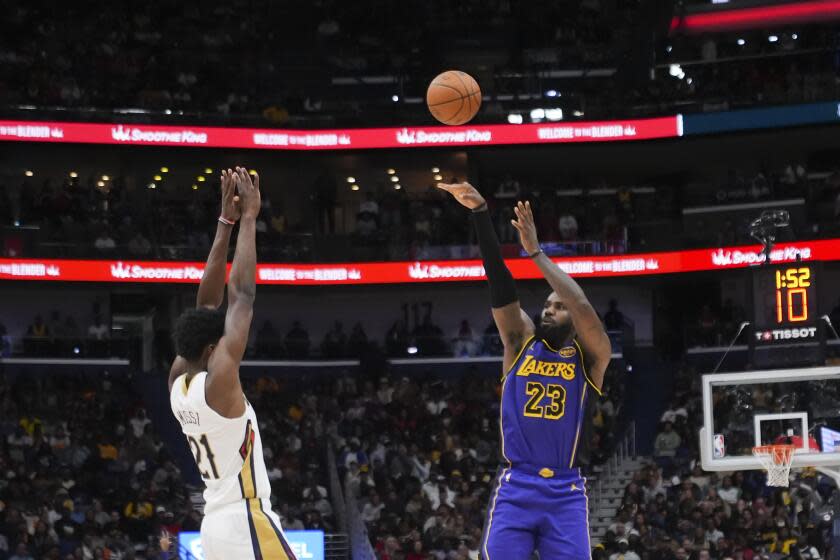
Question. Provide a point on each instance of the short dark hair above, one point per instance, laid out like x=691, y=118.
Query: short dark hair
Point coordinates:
x=195, y=329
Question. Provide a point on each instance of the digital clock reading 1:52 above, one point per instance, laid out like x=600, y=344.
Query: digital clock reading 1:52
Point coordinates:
x=785, y=296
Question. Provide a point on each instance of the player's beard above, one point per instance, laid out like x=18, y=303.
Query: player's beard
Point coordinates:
x=555, y=335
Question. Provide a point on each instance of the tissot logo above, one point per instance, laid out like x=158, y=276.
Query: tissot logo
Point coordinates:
x=786, y=334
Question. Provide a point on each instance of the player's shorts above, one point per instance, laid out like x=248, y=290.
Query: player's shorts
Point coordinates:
x=536, y=508
x=246, y=530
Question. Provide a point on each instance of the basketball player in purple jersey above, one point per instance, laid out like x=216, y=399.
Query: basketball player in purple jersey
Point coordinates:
x=551, y=370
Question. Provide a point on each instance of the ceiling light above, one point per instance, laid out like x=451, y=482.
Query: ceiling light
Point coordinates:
x=395, y=179
x=578, y=113
x=741, y=42
x=395, y=98
x=351, y=179
x=554, y=114
x=773, y=38
x=157, y=178
x=73, y=174
x=537, y=114
x=354, y=187
x=164, y=170
x=208, y=170
x=200, y=179
x=435, y=169
x=195, y=187
x=152, y=185
x=551, y=93
x=252, y=172
x=106, y=178
x=29, y=173
x=391, y=171
x=514, y=119
x=100, y=183
x=438, y=177
x=397, y=187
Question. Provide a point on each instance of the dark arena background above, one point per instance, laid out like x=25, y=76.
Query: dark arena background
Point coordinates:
x=683, y=163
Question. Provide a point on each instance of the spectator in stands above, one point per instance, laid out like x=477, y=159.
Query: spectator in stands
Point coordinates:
x=463, y=343
x=429, y=338
x=567, y=225
x=365, y=224
x=438, y=493
x=333, y=345
x=297, y=341
x=667, y=442
x=104, y=243
x=139, y=246
x=5, y=342
x=707, y=326
x=508, y=190
x=623, y=552
x=396, y=339
x=139, y=422
x=613, y=318
x=267, y=342
x=37, y=337
x=358, y=339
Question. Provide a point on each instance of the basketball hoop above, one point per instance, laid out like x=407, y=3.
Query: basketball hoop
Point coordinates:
x=776, y=460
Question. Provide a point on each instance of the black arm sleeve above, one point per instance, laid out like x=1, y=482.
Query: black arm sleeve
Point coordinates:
x=502, y=286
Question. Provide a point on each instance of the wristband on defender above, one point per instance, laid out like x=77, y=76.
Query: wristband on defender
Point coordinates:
x=536, y=254
x=225, y=221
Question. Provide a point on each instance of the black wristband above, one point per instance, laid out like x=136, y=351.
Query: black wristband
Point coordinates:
x=535, y=254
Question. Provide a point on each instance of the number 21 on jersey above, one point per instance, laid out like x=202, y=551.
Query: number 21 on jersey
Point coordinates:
x=195, y=446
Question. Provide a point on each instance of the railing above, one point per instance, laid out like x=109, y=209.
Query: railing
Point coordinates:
x=336, y=546
x=360, y=546
x=69, y=346
x=336, y=491
x=625, y=450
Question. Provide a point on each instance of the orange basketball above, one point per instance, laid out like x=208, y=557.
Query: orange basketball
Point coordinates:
x=453, y=97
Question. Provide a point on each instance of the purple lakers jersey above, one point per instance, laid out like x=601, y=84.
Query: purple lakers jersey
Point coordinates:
x=544, y=408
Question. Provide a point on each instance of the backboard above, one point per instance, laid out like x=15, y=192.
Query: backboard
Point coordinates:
x=751, y=408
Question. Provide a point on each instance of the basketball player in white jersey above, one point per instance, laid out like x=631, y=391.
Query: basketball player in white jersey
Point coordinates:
x=206, y=395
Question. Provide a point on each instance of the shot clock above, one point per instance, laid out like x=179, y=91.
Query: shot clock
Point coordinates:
x=785, y=299
x=793, y=285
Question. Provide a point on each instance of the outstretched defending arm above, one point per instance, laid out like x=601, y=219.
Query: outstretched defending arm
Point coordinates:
x=588, y=327
x=211, y=290
x=514, y=324
x=223, y=389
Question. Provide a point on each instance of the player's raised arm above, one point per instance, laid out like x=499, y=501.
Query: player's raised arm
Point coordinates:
x=211, y=290
x=588, y=327
x=223, y=390
x=514, y=324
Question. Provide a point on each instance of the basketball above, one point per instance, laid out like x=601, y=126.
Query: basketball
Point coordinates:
x=453, y=97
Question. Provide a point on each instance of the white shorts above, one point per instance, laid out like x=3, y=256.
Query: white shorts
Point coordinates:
x=245, y=530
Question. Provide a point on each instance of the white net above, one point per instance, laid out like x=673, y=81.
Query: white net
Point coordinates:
x=776, y=460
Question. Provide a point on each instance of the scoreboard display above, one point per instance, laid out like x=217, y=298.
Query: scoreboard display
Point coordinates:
x=785, y=303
